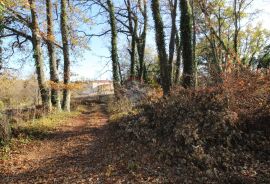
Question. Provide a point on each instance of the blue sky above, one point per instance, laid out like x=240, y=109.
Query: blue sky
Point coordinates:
x=95, y=64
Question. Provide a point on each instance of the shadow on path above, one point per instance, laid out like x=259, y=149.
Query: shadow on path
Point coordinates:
x=87, y=150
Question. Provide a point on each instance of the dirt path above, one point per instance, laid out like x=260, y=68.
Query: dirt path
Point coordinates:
x=87, y=149
x=63, y=157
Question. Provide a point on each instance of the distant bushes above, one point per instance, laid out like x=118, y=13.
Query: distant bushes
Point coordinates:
x=17, y=93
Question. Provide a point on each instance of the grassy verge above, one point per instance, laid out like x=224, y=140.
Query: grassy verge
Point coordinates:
x=25, y=132
x=39, y=127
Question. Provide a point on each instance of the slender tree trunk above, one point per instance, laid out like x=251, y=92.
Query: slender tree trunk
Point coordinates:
x=64, y=32
x=186, y=38
x=55, y=99
x=173, y=7
x=114, y=53
x=141, y=42
x=120, y=74
x=219, y=53
x=220, y=57
x=1, y=41
x=235, y=26
x=36, y=41
x=133, y=51
x=215, y=70
x=1, y=50
x=236, y=32
x=145, y=74
x=133, y=24
x=194, y=37
x=178, y=58
x=133, y=58
x=161, y=47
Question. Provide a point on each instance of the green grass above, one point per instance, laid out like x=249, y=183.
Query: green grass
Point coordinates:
x=25, y=132
x=39, y=127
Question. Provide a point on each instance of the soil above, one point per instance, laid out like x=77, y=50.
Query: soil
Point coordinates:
x=87, y=149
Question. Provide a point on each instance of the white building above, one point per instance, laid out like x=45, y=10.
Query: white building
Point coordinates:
x=97, y=87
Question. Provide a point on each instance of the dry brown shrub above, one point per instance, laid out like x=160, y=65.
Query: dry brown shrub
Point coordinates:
x=247, y=90
x=206, y=128
x=248, y=96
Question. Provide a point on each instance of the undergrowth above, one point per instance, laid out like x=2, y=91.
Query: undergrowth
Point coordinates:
x=121, y=108
x=217, y=134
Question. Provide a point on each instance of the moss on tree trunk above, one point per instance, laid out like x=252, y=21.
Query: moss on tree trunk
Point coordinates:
x=36, y=41
x=114, y=53
x=161, y=47
x=55, y=99
x=186, y=38
x=64, y=32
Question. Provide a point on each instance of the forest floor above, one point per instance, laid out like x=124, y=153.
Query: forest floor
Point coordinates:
x=86, y=149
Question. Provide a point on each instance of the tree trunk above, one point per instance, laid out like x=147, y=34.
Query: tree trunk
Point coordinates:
x=133, y=58
x=186, y=38
x=215, y=69
x=114, y=54
x=141, y=42
x=55, y=99
x=220, y=57
x=1, y=41
x=133, y=32
x=145, y=74
x=178, y=58
x=1, y=50
x=64, y=32
x=173, y=8
x=36, y=41
x=120, y=74
x=235, y=39
x=161, y=47
x=194, y=44
x=133, y=51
